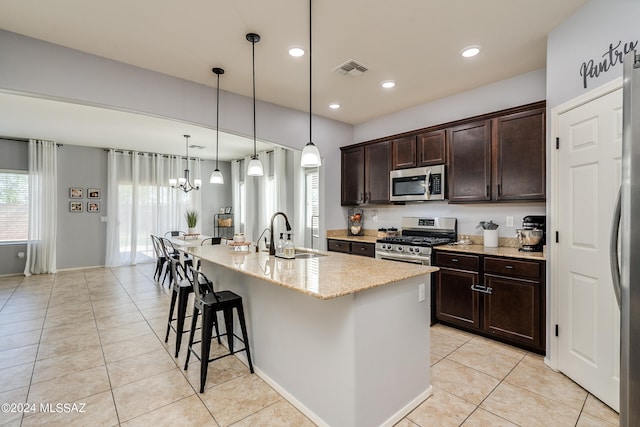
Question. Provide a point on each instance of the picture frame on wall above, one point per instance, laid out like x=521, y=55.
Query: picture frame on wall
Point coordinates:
x=75, y=193
x=93, y=206
x=93, y=193
x=75, y=206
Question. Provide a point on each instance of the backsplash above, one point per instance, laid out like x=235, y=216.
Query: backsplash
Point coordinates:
x=468, y=215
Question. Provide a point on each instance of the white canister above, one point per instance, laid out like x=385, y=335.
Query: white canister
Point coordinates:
x=491, y=238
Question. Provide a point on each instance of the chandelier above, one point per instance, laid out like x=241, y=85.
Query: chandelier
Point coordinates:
x=183, y=183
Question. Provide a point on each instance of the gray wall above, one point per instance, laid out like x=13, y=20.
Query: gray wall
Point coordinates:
x=43, y=69
x=81, y=235
x=586, y=36
x=14, y=157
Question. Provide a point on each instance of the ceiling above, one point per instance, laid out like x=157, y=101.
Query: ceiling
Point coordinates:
x=417, y=43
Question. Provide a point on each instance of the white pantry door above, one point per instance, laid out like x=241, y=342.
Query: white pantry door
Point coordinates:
x=589, y=170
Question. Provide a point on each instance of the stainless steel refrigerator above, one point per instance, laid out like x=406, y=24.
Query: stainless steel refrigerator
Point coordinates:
x=625, y=254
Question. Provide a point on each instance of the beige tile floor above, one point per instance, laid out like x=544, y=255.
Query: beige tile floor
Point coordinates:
x=96, y=337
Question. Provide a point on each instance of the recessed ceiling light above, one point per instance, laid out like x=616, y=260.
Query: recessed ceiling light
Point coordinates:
x=296, y=51
x=334, y=106
x=470, y=51
x=388, y=84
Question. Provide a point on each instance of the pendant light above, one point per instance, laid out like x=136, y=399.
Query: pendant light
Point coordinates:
x=183, y=183
x=216, y=175
x=255, y=165
x=310, y=157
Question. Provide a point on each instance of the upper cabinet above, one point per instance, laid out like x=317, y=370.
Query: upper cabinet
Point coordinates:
x=495, y=157
x=499, y=159
x=425, y=149
x=520, y=156
x=470, y=162
x=365, y=174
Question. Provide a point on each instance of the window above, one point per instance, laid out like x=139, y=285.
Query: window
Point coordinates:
x=312, y=205
x=14, y=206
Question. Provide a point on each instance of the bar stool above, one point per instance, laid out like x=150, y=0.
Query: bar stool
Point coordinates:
x=210, y=302
x=181, y=288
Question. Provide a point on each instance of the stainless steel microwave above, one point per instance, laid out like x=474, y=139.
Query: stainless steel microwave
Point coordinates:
x=417, y=184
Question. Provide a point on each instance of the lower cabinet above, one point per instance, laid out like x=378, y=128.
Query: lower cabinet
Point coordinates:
x=355, y=248
x=501, y=298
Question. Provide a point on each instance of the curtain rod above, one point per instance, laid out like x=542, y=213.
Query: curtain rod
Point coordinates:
x=16, y=139
x=142, y=153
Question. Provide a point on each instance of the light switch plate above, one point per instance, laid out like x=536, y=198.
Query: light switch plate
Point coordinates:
x=509, y=221
x=421, y=292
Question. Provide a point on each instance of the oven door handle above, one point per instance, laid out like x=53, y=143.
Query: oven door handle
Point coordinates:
x=482, y=288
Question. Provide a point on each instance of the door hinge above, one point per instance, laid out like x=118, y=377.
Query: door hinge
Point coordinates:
x=557, y=237
x=557, y=143
x=556, y=329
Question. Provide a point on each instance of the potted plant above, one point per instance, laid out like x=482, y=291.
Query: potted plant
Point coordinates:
x=192, y=219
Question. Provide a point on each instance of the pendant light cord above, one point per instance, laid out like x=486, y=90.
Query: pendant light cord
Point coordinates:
x=310, y=74
x=217, y=116
x=253, y=59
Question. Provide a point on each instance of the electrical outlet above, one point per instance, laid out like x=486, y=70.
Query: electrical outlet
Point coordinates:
x=374, y=215
x=421, y=292
x=509, y=221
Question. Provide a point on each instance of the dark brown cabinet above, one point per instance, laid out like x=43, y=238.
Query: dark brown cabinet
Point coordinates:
x=365, y=174
x=425, y=149
x=497, y=297
x=498, y=159
x=352, y=178
x=455, y=302
x=355, y=248
x=470, y=162
x=495, y=157
x=404, y=153
x=520, y=156
x=431, y=148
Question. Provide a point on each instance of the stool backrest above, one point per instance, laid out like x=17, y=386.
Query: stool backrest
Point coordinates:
x=177, y=270
x=211, y=241
x=201, y=285
x=175, y=233
x=155, y=240
x=167, y=247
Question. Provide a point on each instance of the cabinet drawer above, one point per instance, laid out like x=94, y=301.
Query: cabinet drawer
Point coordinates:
x=364, y=249
x=459, y=261
x=339, y=246
x=512, y=268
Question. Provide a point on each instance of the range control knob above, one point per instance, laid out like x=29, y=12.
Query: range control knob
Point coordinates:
x=399, y=248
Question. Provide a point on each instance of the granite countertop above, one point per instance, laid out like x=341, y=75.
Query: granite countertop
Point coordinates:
x=325, y=277
x=501, y=251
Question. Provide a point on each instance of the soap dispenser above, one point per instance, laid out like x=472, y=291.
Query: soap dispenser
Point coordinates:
x=289, y=249
x=280, y=246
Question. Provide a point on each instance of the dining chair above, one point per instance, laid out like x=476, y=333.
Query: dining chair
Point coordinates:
x=161, y=260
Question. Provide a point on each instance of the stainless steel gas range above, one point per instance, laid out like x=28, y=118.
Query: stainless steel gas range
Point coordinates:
x=419, y=235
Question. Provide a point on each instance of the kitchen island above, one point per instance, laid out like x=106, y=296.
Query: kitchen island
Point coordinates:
x=344, y=338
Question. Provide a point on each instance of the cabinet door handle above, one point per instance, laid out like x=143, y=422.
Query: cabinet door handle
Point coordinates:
x=482, y=288
x=454, y=260
x=499, y=190
x=488, y=190
x=509, y=267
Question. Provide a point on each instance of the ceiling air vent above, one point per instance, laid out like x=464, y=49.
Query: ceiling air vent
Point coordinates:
x=351, y=68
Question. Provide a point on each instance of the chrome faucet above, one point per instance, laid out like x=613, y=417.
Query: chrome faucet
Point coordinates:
x=272, y=245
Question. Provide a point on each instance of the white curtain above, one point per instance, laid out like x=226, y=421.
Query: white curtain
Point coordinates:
x=41, y=248
x=141, y=203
